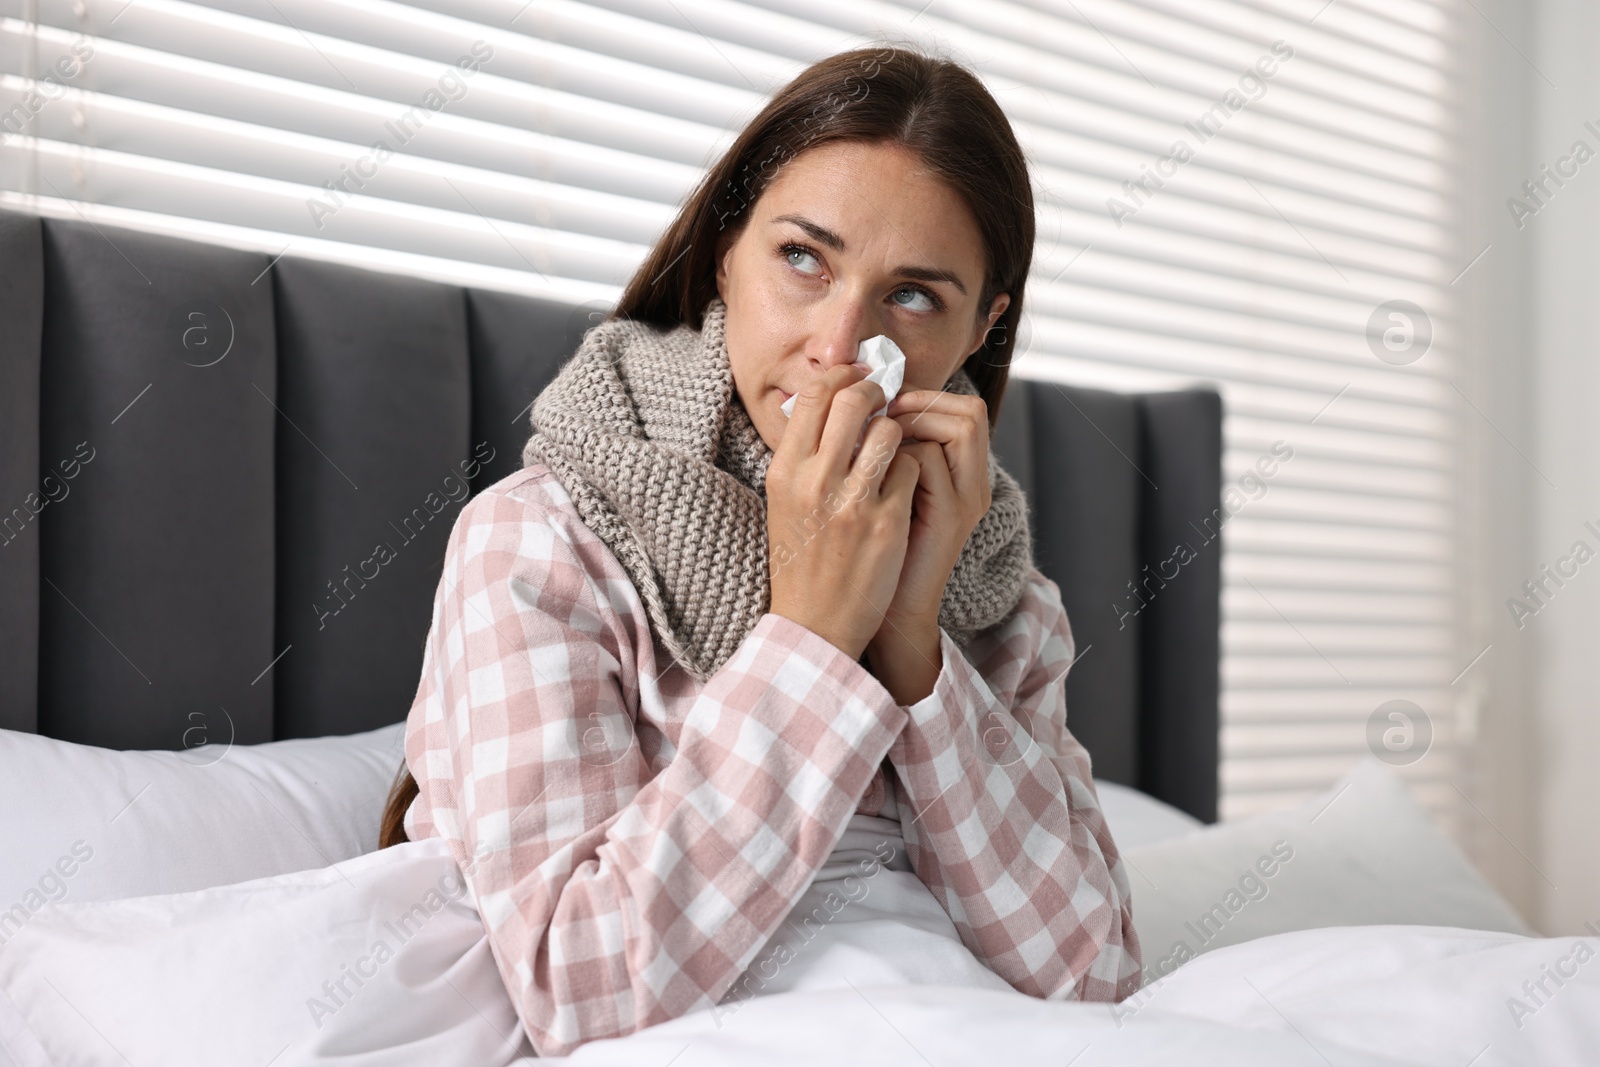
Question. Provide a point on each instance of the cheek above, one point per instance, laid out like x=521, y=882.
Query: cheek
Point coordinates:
x=929, y=367
x=921, y=373
x=755, y=357
x=758, y=276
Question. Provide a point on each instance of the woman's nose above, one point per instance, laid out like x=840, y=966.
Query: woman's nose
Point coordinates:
x=837, y=337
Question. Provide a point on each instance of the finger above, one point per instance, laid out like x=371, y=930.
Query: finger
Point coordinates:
x=851, y=408
x=916, y=401
x=933, y=476
x=939, y=426
x=964, y=441
x=900, y=483
x=872, y=462
x=804, y=431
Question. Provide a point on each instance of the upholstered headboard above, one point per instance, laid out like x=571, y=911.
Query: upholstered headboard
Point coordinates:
x=204, y=452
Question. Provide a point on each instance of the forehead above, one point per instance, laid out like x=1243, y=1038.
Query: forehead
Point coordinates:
x=880, y=198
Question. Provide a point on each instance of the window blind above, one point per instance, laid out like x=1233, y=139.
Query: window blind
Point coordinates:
x=1251, y=193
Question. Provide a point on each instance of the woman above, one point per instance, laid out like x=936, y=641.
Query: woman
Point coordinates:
x=695, y=644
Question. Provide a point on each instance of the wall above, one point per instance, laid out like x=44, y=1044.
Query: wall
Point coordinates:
x=1565, y=309
x=1499, y=820
x=1534, y=780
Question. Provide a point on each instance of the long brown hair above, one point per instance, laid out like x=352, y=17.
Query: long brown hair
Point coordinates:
x=392, y=827
x=884, y=94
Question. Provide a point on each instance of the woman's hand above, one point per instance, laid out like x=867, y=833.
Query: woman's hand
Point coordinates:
x=837, y=527
x=948, y=434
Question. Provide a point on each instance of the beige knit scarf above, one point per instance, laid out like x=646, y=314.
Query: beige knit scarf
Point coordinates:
x=645, y=432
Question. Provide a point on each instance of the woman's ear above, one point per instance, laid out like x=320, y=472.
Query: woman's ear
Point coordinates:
x=724, y=246
x=997, y=307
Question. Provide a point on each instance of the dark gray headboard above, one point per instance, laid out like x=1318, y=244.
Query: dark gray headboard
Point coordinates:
x=201, y=451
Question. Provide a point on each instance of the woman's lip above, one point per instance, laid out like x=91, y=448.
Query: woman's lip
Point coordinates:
x=783, y=394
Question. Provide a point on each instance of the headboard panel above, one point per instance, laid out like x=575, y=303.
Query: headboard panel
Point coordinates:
x=374, y=424
x=517, y=347
x=1088, y=526
x=156, y=564
x=1120, y=486
x=21, y=328
x=280, y=448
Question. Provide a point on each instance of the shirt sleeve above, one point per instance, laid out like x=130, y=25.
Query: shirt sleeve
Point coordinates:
x=1000, y=815
x=615, y=895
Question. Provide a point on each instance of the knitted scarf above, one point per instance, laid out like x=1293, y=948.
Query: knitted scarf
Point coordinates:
x=645, y=432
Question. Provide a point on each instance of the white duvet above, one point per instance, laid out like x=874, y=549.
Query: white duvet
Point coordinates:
x=266, y=973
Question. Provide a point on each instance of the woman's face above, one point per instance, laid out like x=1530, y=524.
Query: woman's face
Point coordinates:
x=849, y=241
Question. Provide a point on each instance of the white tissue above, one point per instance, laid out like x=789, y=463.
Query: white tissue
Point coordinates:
x=886, y=365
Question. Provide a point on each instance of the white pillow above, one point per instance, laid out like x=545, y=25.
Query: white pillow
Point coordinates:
x=211, y=818
x=81, y=823
x=378, y=959
x=1361, y=854
x=1137, y=818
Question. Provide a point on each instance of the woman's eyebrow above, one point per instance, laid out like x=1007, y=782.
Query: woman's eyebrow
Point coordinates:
x=835, y=242
x=818, y=233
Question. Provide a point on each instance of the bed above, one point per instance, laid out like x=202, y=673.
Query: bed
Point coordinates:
x=205, y=677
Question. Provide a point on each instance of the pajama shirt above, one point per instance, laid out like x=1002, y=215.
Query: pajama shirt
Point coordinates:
x=633, y=835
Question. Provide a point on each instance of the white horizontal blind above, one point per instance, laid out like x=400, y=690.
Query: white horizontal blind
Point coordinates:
x=542, y=146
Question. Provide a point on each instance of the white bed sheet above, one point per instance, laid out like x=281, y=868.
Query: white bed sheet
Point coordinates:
x=225, y=976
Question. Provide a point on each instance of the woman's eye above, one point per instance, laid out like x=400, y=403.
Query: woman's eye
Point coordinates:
x=792, y=254
x=927, y=304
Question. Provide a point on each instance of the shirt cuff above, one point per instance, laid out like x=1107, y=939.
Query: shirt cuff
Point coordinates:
x=958, y=716
x=934, y=722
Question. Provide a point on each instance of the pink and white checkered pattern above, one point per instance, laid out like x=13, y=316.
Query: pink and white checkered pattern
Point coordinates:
x=633, y=836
